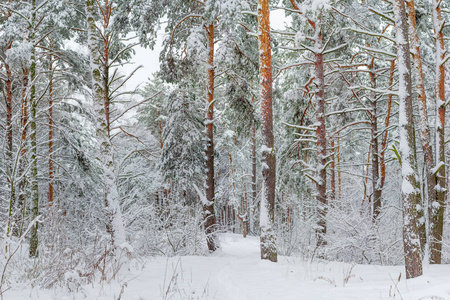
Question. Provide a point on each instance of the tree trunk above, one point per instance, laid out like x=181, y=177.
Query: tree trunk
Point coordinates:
x=386, y=126
x=321, y=183
x=376, y=185
x=321, y=176
x=437, y=207
x=410, y=184
x=424, y=128
x=22, y=185
x=339, y=170
x=10, y=167
x=50, y=136
x=332, y=174
x=9, y=147
x=267, y=211
x=34, y=173
x=210, y=217
x=101, y=103
x=244, y=205
x=9, y=132
x=254, y=173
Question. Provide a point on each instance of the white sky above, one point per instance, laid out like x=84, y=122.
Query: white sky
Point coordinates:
x=149, y=59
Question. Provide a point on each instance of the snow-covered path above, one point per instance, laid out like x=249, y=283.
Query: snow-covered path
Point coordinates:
x=237, y=273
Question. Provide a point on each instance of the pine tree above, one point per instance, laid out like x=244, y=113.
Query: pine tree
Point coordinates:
x=268, y=244
x=410, y=184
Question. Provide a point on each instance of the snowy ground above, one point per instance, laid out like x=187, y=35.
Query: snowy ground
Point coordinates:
x=237, y=273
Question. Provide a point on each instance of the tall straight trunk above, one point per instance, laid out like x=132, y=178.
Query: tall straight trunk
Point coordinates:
x=33, y=122
x=9, y=131
x=376, y=184
x=244, y=205
x=321, y=176
x=437, y=207
x=321, y=183
x=339, y=169
x=424, y=128
x=410, y=184
x=50, y=136
x=333, y=173
x=209, y=214
x=254, y=173
x=9, y=135
x=267, y=211
x=9, y=147
x=386, y=126
x=101, y=101
x=22, y=185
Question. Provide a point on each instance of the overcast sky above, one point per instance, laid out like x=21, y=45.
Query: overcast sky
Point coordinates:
x=149, y=59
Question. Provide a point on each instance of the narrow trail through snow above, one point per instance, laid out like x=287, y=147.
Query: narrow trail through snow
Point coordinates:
x=237, y=272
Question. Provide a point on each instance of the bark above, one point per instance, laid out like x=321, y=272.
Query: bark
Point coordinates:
x=437, y=207
x=254, y=174
x=34, y=240
x=376, y=184
x=333, y=173
x=10, y=166
x=209, y=214
x=9, y=147
x=22, y=185
x=50, y=136
x=9, y=132
x=244, y=205
x=267, y=212
x=423, y=116
x=339, y=170
x=410, y=184
x=321, y=183
x=386, y=126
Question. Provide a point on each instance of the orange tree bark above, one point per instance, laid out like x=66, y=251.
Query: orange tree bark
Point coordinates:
x=386, y=126
x=21, y=201
x=321, y=180
x=267, y=212
x=437, y=207
x=209, y=214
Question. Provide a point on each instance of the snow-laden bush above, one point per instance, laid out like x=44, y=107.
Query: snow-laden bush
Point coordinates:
x=62, y=262
x=169, y=229
x=352, y=236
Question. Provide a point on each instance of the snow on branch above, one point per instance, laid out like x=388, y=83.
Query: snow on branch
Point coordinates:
x=202, y=196
x=298, y=64
x=136, y=105
x=300, y=127
x=371, y=33
x=379, y=51
x=382, y=14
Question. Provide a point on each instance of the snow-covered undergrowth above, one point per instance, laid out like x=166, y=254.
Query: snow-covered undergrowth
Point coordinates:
x=236, y=272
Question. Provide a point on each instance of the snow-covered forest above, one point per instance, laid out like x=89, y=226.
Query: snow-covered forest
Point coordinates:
x=307, y=161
